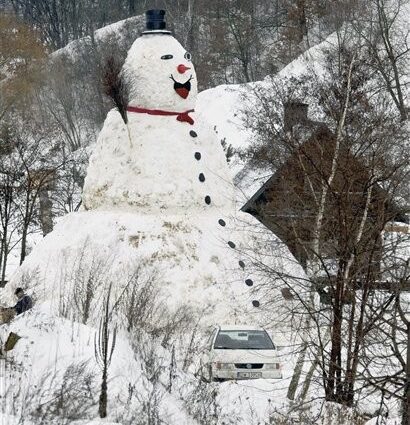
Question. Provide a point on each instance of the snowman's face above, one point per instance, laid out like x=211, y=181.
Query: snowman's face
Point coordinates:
x=160, y=75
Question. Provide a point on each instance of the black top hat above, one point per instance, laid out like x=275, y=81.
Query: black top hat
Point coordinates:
x=155, y=22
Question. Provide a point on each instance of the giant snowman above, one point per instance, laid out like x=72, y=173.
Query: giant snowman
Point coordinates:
x=159, y=215
x=159, y=197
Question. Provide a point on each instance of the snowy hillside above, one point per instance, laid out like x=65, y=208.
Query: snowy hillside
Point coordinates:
x=224, y=106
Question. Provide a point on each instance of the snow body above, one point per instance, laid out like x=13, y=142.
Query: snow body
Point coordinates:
x=146, y=206
x=152, y=163
x=158, y=193
x=190, y=257
x=174, y=174
x=173, y=178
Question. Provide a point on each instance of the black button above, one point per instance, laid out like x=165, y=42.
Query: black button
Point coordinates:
x=207, y=199
x=242, y=264
x=255, y=303
x=231, y=244
x=192, y=133
x=201, y=178
x=249, y=282
x=197, y=156
x=222, y=222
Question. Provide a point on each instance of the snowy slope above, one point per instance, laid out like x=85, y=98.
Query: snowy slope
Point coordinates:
x=117, y=30
x=224, y=106
x=55, y=354
x=186, y=278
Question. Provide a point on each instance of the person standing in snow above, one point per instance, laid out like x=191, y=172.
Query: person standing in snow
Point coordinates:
x=24, y=302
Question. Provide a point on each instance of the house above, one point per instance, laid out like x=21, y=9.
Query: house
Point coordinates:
x=288, y=203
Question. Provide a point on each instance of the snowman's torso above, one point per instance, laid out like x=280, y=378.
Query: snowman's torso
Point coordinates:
x=157, y=164
x=189, y=257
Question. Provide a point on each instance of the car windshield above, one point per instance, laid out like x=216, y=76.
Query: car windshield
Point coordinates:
x=243, y=340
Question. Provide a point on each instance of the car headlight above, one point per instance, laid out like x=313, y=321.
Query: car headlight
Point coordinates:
x=271, y=366
x=220, y=365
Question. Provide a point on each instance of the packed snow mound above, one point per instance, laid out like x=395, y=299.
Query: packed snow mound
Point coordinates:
x=155, y=164
x=180, y=268
x=52, y=376
x=196, y=263
x=162, y=159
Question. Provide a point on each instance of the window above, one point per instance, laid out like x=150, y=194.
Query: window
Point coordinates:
x=243, y=340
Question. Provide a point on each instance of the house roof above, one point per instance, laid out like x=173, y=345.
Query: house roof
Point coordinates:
x=321, y=136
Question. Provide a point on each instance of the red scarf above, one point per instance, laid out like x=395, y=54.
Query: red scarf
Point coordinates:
x=181, y=116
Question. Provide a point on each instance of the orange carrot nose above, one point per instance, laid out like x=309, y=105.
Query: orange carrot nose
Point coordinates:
x=182, y=68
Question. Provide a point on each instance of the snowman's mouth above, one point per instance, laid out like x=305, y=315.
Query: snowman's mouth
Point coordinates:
x=182, y=89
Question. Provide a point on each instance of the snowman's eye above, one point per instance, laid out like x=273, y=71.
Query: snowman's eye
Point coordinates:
x=187, y=56
x=166, y=57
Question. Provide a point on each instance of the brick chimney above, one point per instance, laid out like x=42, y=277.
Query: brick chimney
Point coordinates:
x=295, y=112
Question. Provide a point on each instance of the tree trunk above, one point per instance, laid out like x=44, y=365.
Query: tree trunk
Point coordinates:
x=26, y=220
x=23, y=243
x=301, y=23
x=5, y=220
x=89, y=294
x=102, y=403
x=294, y=383
x=333, y=380
x=4, y=265
x=46, y=216
x=308, y=379
x=2, y=251
x=396, y=88
x=406, y=398
x=131, y=7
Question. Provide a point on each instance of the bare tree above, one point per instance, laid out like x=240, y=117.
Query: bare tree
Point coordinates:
x=8, y=184
x=36, y=178
x=87, y=276
x=387, y=37
x=104, y=344
x=330, y=199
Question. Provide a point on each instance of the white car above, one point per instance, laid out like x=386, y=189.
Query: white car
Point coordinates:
x=240, y=352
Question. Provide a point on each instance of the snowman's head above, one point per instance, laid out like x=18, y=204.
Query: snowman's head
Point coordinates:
x=159, y=74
